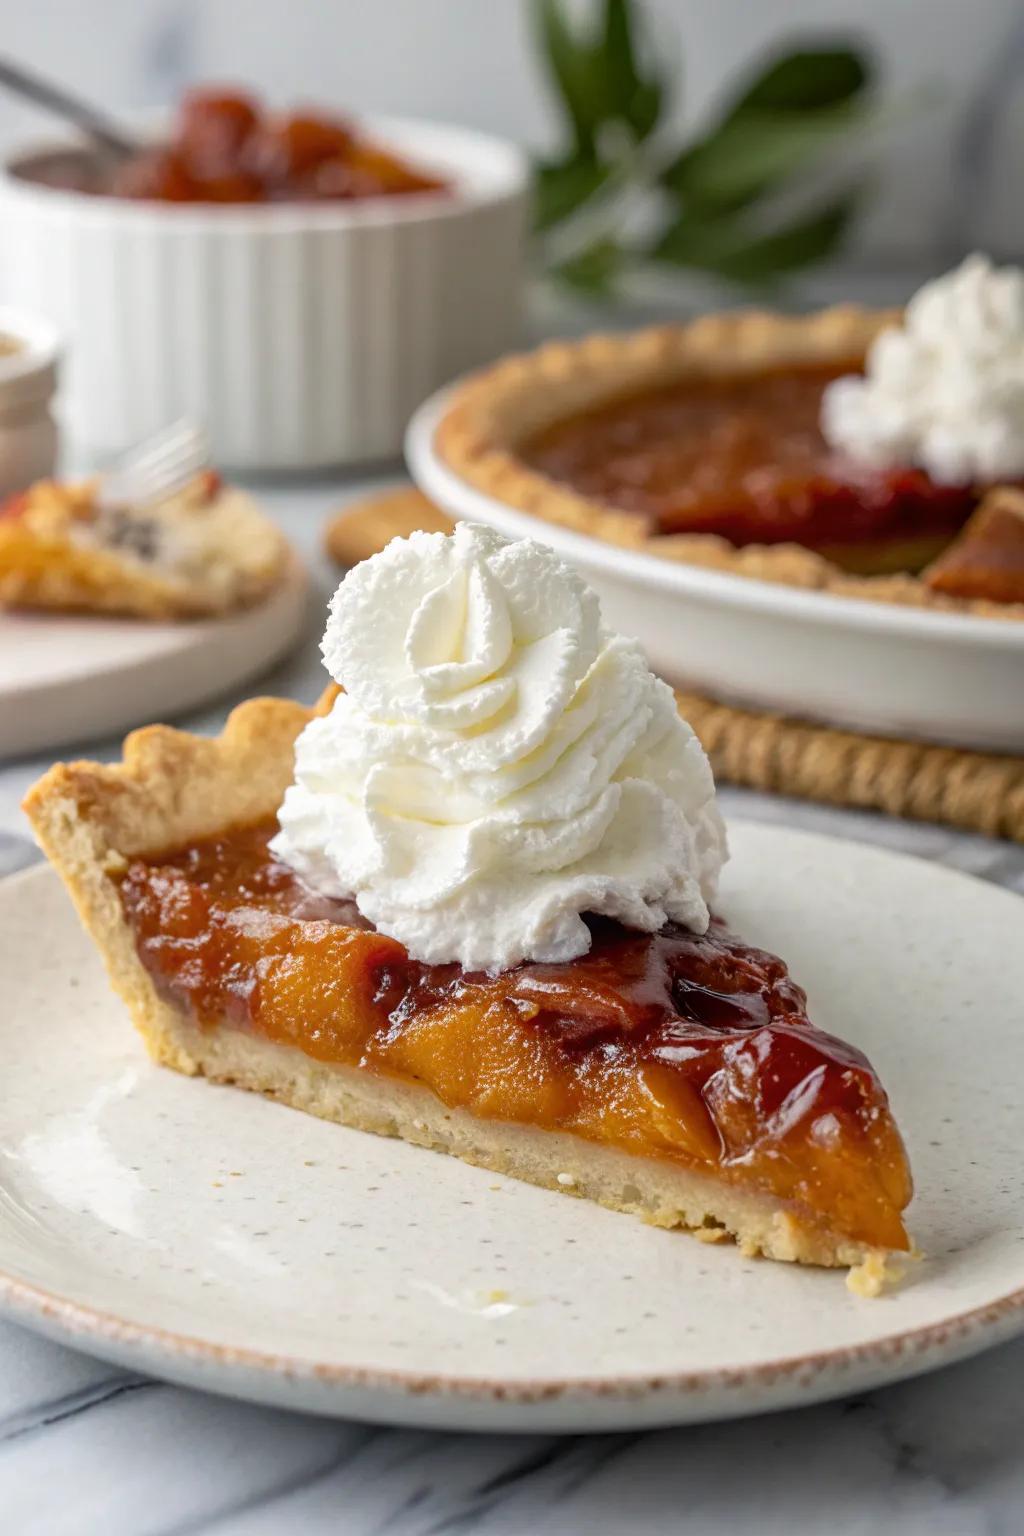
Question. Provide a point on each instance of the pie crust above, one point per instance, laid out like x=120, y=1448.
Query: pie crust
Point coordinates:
x=174, y=789
x=989, y=554
x=362, y=528
x=494, y=411
x=48, y=558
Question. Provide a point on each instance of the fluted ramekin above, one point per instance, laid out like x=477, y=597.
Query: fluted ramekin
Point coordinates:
x=300, y=335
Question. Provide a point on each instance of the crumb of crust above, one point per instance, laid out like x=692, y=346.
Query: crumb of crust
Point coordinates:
x=567, y=1180
x=877, y=1272
x=710, y=1234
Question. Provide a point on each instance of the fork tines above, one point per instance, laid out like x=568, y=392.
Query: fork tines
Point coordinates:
x=158, y=467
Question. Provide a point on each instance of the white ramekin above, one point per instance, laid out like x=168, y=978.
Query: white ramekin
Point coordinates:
x=302, y=336
x=28, y=380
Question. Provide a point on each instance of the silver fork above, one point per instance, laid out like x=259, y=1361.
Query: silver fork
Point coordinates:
x=156, y=468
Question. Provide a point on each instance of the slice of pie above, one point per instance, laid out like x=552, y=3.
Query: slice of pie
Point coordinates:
x=205, y=550
x=704, y=443
x=670, y=1075
x=986, y=562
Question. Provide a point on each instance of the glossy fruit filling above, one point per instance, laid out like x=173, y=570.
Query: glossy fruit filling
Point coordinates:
x=225, y=148
x=745, y=458
x=694, y=1050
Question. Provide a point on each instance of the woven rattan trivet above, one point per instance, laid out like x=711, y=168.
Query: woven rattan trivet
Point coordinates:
x=971, y=790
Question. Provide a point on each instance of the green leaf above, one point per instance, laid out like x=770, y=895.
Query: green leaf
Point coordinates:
x=804, y=81
x=751, y=154
x=725, y=247
x=560, y=188
x=792, y=112
x=632, y=99
x=593, y=270
x=576, y=70
x=595, y=72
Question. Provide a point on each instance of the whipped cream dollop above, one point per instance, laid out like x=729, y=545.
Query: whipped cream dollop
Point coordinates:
x=944, y=390
x=499, y=762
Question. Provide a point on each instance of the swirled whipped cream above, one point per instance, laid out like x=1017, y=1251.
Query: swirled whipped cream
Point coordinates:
x=499, y=762
x=945, y=390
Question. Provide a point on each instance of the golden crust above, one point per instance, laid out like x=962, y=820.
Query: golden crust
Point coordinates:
x=661, y=1194
x=173, y=788
x=239, y=556
x=988, y=554
x=497, y=409
x=362, y=528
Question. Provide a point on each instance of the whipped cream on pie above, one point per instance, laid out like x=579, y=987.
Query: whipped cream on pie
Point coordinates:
x=944, y=390
x=499, y=764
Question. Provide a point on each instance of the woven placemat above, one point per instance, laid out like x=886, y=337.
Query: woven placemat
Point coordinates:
x=974, y=791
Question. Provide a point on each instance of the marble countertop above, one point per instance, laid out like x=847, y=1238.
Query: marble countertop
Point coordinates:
x=86, y=1448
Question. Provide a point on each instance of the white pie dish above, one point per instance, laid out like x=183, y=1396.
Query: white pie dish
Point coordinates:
x=866, y=666
x=301, y=335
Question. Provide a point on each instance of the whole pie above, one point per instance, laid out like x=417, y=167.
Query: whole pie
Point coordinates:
x=667, y=1074
x=703, y=443
x=206, y=549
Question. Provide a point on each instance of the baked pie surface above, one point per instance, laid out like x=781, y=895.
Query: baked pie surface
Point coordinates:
x=700, y=443
x=672, y=1076
x=206, y=550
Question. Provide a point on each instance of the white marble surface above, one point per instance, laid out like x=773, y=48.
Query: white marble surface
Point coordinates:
x=87, y=1449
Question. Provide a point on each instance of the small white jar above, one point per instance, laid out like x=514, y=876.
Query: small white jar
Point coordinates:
x=28, y=380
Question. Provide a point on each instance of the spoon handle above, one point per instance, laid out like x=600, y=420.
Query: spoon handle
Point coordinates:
x=44, y=94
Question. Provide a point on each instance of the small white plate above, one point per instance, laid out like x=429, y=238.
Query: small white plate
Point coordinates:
x=898, y=671
x=212, y=1237
x=74, y=677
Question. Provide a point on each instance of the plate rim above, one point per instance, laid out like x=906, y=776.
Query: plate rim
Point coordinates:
x=291, y=590
x=928, y=1346
x=438, y=480
x=67, y=711
x=75, y=1321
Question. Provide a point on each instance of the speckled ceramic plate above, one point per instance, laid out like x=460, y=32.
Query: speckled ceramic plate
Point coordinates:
x=75, y=677
x=218, y=1239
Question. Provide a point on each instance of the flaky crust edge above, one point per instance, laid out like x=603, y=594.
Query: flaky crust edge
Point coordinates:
x=495, y=409
x=170, y=788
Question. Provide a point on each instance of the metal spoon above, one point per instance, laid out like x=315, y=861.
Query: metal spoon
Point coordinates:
x=106, y=135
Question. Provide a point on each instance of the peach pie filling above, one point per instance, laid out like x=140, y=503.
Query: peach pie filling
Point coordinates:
x=693, y=1050
x=745, y=458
